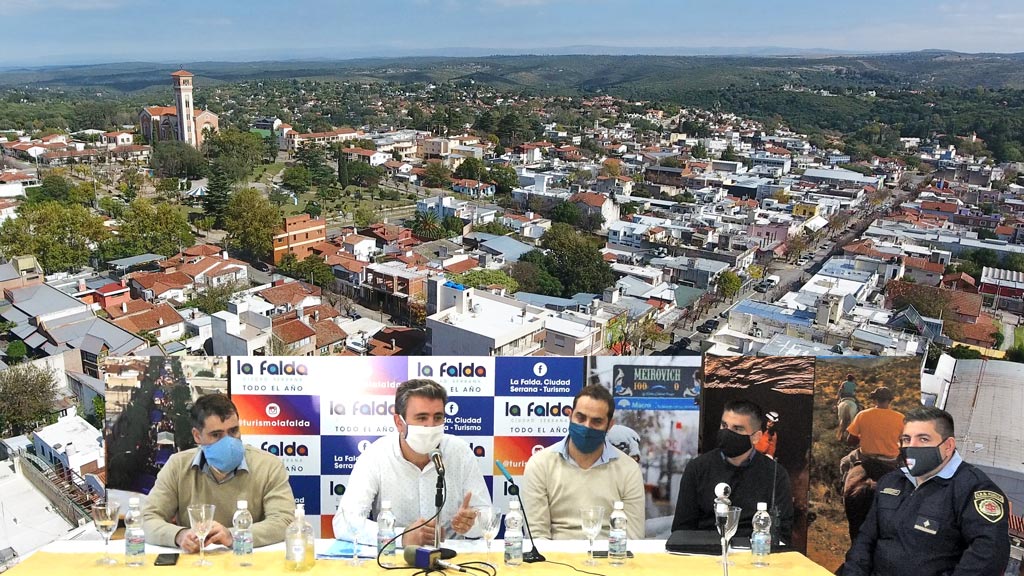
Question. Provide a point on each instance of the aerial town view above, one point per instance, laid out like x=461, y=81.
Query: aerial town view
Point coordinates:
x=782, y=243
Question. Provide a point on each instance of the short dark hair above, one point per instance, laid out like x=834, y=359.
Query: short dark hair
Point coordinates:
x=943, y=421
x=211, y=405
x=747, y=408
x=422, y=387
x=597, y=392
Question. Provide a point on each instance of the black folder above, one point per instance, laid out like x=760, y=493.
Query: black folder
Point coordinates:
x=701, y=542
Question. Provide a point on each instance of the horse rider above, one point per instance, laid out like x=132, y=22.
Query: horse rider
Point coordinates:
x=847, y=390
x=876, y=434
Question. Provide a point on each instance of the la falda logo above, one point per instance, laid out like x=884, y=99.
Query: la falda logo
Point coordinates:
x=271, y=368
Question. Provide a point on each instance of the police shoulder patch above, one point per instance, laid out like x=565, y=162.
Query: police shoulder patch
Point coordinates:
x=989, y=505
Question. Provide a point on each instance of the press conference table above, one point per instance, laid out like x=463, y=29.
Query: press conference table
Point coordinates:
x=78, y=558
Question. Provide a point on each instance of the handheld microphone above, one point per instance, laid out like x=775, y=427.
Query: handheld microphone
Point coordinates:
x=435, y=457
x=429, y=558
x=533, y=555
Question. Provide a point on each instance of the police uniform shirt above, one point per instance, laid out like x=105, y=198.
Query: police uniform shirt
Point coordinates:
x=954, y=523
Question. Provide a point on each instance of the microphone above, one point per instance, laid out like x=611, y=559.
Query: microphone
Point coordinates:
x=533, y=555
x=429, y=558
x=722, y=493
x=722, y=503
x=435, y=457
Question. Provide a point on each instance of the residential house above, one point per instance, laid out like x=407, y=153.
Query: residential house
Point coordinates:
x=1002, y=289
x=20, y=271
x=596, y=206
x=154, y=322
x=13, y=183
x=473, y=188
x=361, y=247
x=161, y=286
x=371, y=157
x=472, y=323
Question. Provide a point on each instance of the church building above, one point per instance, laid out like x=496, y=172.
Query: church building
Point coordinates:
x=165, y=122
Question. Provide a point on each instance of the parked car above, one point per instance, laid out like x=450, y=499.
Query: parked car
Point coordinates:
x=803, y=261
x=354, y=315
x=708, y=326
x=261, y=266
x=762, y=287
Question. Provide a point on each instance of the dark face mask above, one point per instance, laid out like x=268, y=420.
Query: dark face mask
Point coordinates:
x=732, y=444
x=921, y=460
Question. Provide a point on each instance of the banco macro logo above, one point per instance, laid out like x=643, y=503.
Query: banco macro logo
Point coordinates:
x=273, y=410
x=538, y=409
x=448, y=370
x=269, y=368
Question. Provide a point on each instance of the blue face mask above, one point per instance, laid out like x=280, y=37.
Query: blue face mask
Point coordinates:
x=225, y=454
x=586, y=439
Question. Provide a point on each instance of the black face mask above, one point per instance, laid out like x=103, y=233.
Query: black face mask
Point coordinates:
x=733, y=444
x=921, y=460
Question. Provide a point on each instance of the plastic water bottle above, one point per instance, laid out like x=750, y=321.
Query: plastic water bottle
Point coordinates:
x=761, y=539
x=241, y=534
x=298, y=543
x=513, y=535
x=134, y=536
x=617, y=539
x=386, y=534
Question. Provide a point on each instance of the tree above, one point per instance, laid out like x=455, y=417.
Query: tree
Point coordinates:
x=235, y=152
x=504, y=178
x=427, y=225
x=251, y=222
x=176, y=159
x=16, y=351
x=795, y=246
x=493, y=227
x=364, y=216
x=270, y=146
x=472, y=169
x=26, y=397
x=53, y=188
x=729, y=154
x=483, y=278
x=436, y=175
x=575, y=261
x=215, y=298
x=314, y=269
x=729, y=284
x=61, y=237
x=218, y=194
x=756, y=272
x=566, y=212
x=146, y=227
x=343, y=177
x=699, y=151
x=296, y=179
x=532, y=277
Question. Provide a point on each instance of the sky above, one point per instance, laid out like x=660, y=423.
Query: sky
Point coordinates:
x=53, y=32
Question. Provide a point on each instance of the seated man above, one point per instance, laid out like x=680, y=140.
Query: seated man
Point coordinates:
x=398, y=468
x=936, y=515
x=583, y=470
x=220, y=471
x=752, y=476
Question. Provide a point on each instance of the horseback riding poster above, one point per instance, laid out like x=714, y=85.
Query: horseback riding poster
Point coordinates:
x=783, y=387
x=858, y=416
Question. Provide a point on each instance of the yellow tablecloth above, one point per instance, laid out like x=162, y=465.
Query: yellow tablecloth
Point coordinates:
x=72, y=564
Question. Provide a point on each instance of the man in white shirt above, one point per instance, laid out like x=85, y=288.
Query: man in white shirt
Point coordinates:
x=399, y=468
x=583, y=470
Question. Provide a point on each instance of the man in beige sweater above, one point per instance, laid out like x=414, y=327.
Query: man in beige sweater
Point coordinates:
x=220, y=471
x=583, y=470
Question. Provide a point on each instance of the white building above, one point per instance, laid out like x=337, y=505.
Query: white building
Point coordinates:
x=72, y=444
x=471, y=323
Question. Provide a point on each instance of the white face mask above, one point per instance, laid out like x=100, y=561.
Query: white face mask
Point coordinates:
x=423, y=439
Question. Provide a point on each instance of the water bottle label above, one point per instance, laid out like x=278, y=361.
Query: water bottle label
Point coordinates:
x=513, y=549
x=761, y=544
x=135, y=545
x=617, y=545
x=242, y=543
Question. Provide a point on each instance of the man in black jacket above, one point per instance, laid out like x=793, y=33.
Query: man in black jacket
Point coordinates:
x=752, y=476
x=937, y=515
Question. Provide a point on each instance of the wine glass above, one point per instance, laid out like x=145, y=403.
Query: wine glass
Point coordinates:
x=727, y=520
x=354, y=523
x=489, y=519
x=104, y=516
x=201, y=518
x=591, y=520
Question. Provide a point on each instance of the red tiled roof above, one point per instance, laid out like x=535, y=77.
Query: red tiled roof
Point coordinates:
x=981, y=331
x=131, y=307
x=182, y=74
x=15, y=176
x=160, y=282
x=462, y=266
x=112, y=288
x=157, y=317
x=328, y=333
x=923, y=264
x=958, y=277
x=591, y=199
x=162, y=110
x=292, y=330
x=288, y=293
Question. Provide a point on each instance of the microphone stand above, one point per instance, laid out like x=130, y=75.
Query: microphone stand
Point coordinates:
x=439, y=497
x=533, y=555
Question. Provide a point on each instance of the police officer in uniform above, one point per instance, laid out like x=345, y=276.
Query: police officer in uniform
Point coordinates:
x=936, y=515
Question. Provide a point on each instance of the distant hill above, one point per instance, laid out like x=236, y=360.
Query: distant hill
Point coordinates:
x=630, y=76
